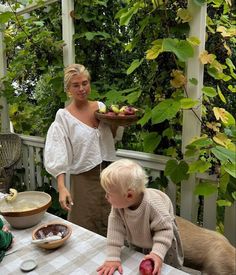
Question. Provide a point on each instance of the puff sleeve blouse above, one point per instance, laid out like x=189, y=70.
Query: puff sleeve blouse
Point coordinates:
x=74, y=147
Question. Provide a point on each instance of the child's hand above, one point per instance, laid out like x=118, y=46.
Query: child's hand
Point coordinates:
x=109, y=267
x=157, y=263
x=5, y=228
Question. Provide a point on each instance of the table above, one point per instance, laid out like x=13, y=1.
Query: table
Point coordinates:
x=83, y=252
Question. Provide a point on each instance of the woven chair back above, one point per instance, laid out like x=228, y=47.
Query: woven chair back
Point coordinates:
x=10, y=153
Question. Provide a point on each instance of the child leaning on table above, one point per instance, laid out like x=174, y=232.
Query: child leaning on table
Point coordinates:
x=142, y=217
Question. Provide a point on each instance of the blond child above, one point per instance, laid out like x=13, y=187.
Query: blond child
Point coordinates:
x=143, y=217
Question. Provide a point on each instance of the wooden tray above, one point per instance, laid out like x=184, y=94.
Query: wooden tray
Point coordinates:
x=116, y=120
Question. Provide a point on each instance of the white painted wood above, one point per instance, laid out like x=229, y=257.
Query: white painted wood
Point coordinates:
x=34, y=6
x=230, y=223
x=38, y=164
x=32, y=168
x=171, y=192
x=68, y=31
x=191, y=121
x=209, y=212
x=26, y=166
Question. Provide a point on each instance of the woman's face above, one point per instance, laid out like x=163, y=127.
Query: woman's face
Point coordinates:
x=79, y=87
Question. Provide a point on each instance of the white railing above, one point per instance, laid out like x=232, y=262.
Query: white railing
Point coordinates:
x=32, y=162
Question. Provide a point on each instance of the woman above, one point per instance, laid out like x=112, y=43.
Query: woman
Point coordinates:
x=78, y=144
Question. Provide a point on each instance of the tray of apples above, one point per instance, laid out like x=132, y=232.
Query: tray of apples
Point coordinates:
x=117, y=116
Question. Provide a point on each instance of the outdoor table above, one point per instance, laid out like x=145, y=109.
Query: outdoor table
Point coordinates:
x=82, y=254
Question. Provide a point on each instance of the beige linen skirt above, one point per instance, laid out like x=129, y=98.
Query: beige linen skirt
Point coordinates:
x=90, y=209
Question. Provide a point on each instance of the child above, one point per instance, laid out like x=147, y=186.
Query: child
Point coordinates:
x=5, y=239
x=141, y=216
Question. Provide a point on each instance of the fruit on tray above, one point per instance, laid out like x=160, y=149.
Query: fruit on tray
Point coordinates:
x=114, y=109
x=146, y=267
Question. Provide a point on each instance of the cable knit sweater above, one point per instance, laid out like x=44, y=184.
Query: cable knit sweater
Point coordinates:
x=150, y=226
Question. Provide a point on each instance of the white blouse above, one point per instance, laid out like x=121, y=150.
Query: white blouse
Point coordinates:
x=74, y=147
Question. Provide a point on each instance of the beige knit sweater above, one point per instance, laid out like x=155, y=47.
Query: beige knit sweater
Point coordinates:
x=151, y=226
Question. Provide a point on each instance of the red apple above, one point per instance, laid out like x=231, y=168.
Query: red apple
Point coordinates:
x=146, y=267
x=111, y=113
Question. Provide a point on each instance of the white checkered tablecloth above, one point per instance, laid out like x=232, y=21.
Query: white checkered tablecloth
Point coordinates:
x=82, y=254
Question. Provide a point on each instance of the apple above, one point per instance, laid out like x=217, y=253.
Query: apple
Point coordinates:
x=146, y=267
x=111, y=113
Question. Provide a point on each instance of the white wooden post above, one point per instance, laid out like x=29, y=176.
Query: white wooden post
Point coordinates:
x=68, y=31
x=192, y=124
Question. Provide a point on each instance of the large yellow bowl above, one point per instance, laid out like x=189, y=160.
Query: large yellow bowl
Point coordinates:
x=26, y=210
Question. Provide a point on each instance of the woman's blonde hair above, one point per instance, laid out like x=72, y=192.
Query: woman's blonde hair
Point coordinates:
x=74, y=69
x=124, y=175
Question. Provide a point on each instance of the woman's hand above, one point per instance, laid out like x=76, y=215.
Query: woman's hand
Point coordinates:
x=65, y=199
x=157, y=263
x=109, y=267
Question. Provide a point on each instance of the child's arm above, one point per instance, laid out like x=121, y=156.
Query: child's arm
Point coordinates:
x=109, y=267
x=115, y=240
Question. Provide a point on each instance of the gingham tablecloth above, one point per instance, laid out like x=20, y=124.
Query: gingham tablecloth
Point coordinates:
x=82, y=254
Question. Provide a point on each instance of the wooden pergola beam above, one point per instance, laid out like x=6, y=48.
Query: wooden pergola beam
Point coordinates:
x=192, y=120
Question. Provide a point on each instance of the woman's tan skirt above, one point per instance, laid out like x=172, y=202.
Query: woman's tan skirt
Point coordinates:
x=90, y=209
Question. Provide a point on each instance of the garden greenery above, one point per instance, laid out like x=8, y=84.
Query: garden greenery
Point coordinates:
x=136, y=51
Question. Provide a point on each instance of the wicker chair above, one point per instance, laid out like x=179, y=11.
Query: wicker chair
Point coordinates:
x=10, y=153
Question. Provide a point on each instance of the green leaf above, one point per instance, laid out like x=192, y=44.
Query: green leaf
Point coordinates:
x=132, y=97
x=230, y=168
x=151, y=141
x=224, y=180
x=134, y=65
x=224, y=154
x=191, y=153
x=220, y=94
x=205, y=188
x=165, y=110
x=146, y=117
x=200, y=142
x=5, y=16
x=199, y=166
x=126, y=16
x=209, y=91
x=187, y=103
x=232, y=89
x=170, y=167
x=168, y=133
x=193, y=81
x=155, y=50
x=90, y=35
x=231, y=67
x=194, y=40
x=223, y=203
x=176, y=171
x=182, y=49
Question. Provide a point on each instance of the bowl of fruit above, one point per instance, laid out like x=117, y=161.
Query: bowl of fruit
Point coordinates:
x=117, y=116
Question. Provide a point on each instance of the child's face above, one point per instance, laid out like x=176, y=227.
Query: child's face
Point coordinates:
x=117, y=199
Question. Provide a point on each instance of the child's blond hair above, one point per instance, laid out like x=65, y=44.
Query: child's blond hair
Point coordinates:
x=124, y=175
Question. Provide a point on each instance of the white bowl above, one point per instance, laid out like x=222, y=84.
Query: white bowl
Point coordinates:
x=26, y=210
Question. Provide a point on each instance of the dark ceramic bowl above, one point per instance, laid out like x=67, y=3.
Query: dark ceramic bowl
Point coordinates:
x=52, y=229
